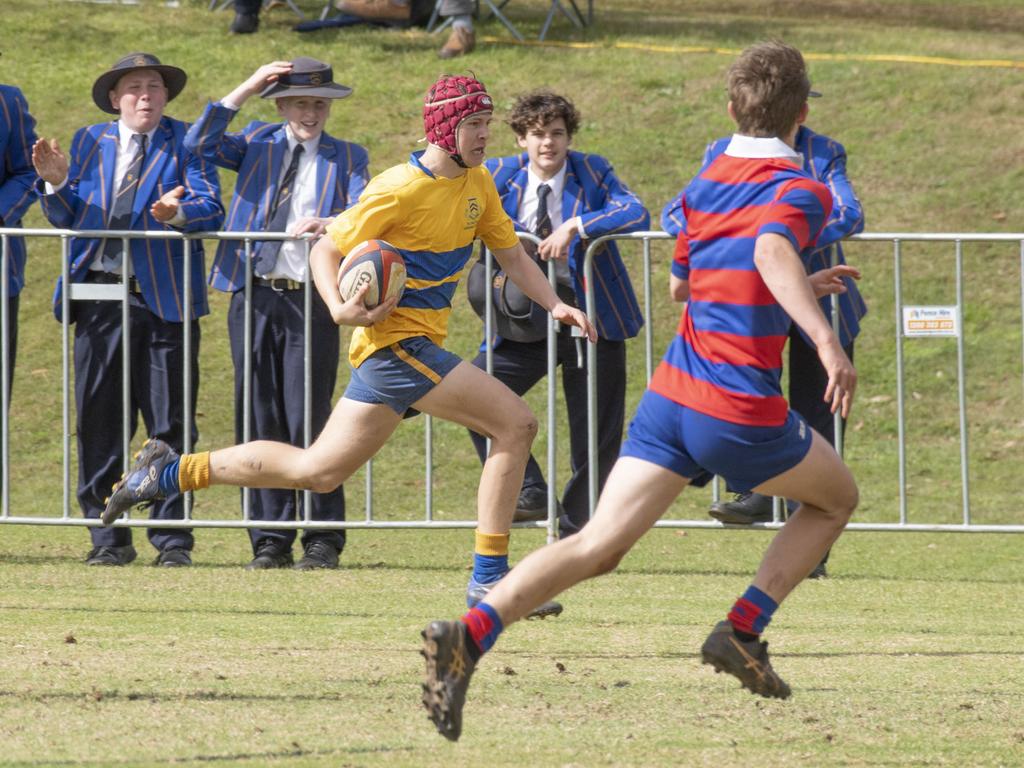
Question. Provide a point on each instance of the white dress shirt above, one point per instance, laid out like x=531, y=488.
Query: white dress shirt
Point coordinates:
x=527, y=213
x=291, y=259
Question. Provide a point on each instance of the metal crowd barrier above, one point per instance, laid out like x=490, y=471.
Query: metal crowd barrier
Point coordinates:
x=897, y=239
x=120, y=293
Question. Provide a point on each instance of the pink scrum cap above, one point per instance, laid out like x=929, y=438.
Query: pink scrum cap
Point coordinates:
x=450, y=100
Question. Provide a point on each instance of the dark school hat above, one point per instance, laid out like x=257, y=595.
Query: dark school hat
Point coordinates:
x=174, y=78
x=308, y=77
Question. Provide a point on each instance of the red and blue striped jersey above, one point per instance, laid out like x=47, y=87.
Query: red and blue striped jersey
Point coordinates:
x=726, y=358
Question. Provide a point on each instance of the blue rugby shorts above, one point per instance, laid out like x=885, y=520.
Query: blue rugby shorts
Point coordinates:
x=399, y=375
x=697, y=446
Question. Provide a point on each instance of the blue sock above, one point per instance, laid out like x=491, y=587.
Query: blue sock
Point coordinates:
x=169, y=479
x=489, y=568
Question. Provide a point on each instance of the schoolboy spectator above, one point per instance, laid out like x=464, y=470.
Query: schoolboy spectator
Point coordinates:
x=131, y=173
x=17, y=192
x=567, y=198
x=293, y=176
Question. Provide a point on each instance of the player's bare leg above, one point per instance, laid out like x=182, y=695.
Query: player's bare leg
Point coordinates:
x=828, y=494
x=475, y=399
x=354, y=432
x=636, y=494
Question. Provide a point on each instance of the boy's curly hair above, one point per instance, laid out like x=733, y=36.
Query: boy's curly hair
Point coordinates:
x=768, y=86
x=538, y=108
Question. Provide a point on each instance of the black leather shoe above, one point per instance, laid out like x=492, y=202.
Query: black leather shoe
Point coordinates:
x=319, y=554
x=533, y=505
x=819, y=572
x=175, y=557
x=745, y=509
x=244, y=24
x=111, y=555
x=270, y=555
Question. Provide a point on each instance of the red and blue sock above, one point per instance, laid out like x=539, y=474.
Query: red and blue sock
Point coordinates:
x=751, y=613
x=483, y=626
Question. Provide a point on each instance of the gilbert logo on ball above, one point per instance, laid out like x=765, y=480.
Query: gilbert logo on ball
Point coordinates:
x=374, y=263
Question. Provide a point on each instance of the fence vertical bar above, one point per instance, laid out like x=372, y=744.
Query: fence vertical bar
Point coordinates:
x=126, y=356
x=648, y=313
x=5, y=372
x=900, y=416
x=307, y=373
x=588, y=284
x=368, y=490
x=65, y=348
x=428, y=436
x=186, y=389
x=247, y=368
x=837, y=417
x=1022, y=318
x=961, y=383
x=552, y=351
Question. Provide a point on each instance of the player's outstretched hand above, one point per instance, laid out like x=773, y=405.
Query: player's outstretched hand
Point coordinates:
x=354, y=311
x=842, y=377
x=830, y=280
x=563, y=313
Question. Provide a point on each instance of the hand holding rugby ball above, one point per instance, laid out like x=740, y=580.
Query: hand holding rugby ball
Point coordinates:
x=374, y=263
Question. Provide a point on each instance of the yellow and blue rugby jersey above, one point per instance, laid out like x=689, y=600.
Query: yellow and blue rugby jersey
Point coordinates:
x=433, y=221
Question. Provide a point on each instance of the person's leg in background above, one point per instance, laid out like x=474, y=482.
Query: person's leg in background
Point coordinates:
x=519, y=366
x=462, y=39
x=271, y=547
x=97, y=360
x=158, y=370
x=611, y=410
x=247, y=17
x=321, y=548
x=807, y=384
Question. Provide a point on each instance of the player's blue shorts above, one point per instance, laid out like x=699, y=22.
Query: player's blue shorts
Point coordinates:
x=698, y=446
x=399, y=375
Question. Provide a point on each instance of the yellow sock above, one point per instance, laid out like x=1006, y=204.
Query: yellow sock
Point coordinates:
x=493, y=544
x=194, y=471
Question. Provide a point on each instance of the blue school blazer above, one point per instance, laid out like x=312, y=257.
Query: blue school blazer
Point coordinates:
x=257, y=154
x=86, y=200
x=17, y=176
x=606, y=205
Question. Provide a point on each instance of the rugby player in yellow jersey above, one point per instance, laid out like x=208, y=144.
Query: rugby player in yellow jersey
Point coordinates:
x=431, y=209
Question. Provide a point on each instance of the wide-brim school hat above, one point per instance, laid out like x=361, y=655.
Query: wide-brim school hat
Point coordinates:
x=308, y=77
x=174, y=78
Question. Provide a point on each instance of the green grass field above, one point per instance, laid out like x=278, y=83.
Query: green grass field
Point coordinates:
x=908, y=655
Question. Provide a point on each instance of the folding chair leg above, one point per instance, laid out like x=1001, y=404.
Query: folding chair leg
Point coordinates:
x=504, y=20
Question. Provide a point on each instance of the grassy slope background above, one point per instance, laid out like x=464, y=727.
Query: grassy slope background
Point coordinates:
x=907, y=656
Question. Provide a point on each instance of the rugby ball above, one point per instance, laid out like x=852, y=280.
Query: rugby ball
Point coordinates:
x=374, y=263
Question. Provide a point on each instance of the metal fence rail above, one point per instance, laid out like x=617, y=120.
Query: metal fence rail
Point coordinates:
x=643, y=239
